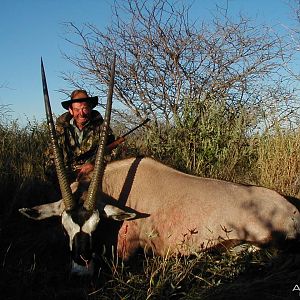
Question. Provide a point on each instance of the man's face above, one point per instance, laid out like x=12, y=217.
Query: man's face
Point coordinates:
x=81, y=112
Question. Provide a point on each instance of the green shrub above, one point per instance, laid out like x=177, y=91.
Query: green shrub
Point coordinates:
x=206, y=139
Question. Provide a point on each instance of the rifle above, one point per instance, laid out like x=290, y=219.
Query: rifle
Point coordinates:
x=121, y=139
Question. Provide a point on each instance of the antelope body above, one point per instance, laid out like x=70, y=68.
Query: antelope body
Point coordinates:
x=175, y=213
x=188, y=214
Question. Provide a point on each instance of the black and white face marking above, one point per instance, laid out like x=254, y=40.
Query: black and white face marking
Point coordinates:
x=80, y=225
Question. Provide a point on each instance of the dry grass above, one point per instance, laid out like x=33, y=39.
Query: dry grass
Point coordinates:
x=37, y=269
x=278, y=163
x=35, y=266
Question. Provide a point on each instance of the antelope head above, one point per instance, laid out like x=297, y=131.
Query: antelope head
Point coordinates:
x=79, y=214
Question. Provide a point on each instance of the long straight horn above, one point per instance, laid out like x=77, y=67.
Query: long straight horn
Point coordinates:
x=58, y=160
x=96, y=182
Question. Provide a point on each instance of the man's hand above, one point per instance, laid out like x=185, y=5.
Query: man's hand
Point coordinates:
x=86, y=169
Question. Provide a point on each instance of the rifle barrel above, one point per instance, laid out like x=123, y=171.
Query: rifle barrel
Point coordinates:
x=135, y=128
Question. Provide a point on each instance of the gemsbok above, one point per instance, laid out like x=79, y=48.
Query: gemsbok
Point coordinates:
x=160, y=209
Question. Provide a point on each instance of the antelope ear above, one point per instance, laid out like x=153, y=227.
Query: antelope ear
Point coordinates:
x=117, y=214
x=43, y=211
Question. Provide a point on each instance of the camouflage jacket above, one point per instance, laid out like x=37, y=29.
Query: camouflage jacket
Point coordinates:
x=75, y=154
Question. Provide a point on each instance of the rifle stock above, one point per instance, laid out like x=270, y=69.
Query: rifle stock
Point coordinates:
x=115, y=143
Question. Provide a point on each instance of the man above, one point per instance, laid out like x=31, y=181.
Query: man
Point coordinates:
x=78, y=132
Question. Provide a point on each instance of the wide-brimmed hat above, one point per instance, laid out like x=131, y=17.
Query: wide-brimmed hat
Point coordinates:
x=93, y=101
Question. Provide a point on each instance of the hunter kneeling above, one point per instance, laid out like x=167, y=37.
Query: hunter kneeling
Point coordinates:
x=78, y=132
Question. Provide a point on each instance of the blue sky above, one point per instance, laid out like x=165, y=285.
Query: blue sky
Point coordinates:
x=33, y=28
